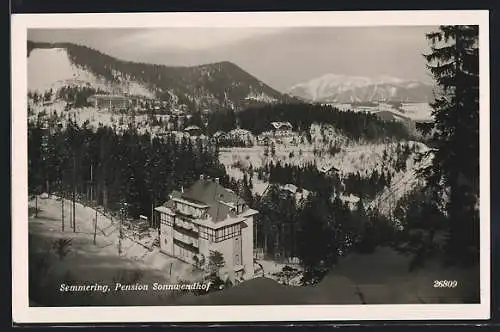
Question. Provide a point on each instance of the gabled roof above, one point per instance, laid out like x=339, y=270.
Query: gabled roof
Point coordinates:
x=239, y=131
x=209, y=192
x=330, y=168
x=279, y=125
x=220, y=200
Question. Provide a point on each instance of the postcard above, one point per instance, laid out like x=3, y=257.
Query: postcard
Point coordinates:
x=259, y=166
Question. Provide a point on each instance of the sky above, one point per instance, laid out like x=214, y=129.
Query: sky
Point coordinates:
x=280, y=57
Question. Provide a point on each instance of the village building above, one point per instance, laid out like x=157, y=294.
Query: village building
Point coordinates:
x=329, y=170
x=281, y=128
x=178, y=112
x=298, y=193
x=193, y=130
x=263, y=140
x=239, y=134
x=219, y=136
x=208, y=217
x=109, y=102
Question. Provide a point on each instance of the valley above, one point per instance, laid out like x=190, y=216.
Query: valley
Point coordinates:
x=331, y=167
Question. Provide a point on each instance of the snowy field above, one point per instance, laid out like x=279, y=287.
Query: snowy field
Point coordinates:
x=378, y=278
x=418, y=111
x=101, y=262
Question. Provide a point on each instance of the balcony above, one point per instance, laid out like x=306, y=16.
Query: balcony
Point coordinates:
x=186, y=239
x=187, y=246
x=186, y=230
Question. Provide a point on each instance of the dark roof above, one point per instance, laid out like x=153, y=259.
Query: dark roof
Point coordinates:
x=210, y=193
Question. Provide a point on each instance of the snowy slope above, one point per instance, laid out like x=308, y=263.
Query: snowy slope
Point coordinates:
x=51, y=68
x=401, y=184
x=353, y=157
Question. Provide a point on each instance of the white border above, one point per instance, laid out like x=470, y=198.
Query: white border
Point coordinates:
x=22, y=313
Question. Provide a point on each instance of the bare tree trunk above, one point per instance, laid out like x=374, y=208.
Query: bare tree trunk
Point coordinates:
x=105, y=197
x=62, y=212
x=95, y=226
x=91, y=183
x=265, y=243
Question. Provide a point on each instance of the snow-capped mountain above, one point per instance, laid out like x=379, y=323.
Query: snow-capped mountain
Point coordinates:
x=348, y=89
x=209, y=86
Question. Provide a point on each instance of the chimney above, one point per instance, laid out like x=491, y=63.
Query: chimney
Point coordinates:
x=216, y=180
x=201, y=177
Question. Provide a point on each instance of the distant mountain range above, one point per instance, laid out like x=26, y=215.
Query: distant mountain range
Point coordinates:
x=348, y=89
x=212, y=86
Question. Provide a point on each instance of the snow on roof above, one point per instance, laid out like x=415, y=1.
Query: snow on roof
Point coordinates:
x=239, y=131
x=278, y=125
x=191, y=128
x=290, y=187
x=219, y=133
x=208, y=194
x=350, y=199
x=329, y=168
x=108, y=97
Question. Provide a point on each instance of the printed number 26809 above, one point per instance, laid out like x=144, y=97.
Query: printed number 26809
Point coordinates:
x=445, y=283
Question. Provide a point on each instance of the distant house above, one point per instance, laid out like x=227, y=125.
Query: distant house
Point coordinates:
x=290, y=190
x=178, y=112
x=329, y=170
x=110, y=102
x=281, y=128
x=193, y=130
x=208, y=217
x=218, y=136
x=239, y=134
x=263, y=140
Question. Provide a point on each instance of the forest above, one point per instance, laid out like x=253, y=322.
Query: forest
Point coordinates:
x=134, y=168
x=354, y=125
x=318, y=231
x=307, y=177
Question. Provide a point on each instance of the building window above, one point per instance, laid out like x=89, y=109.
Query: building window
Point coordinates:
x=207, y=233
x=228, y=232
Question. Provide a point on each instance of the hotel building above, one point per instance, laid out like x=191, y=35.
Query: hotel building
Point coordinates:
x=208, y=217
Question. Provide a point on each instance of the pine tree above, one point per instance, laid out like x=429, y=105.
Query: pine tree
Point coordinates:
x=454, y=64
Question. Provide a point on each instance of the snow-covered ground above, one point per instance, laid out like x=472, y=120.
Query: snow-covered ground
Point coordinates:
x=418, y=111
x=137, y=252
x=353, y=157
x=271, y=269
x=53, y=69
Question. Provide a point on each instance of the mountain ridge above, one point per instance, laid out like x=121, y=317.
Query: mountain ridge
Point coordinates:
x=345, y=88
x=214, y=85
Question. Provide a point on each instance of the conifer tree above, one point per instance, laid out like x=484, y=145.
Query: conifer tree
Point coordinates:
x=454, y=64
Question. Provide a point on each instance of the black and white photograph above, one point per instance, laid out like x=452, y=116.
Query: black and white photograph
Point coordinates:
x=247, y=163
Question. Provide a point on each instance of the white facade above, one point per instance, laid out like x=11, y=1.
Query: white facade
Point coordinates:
x=281, y=128
x=188, y=231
